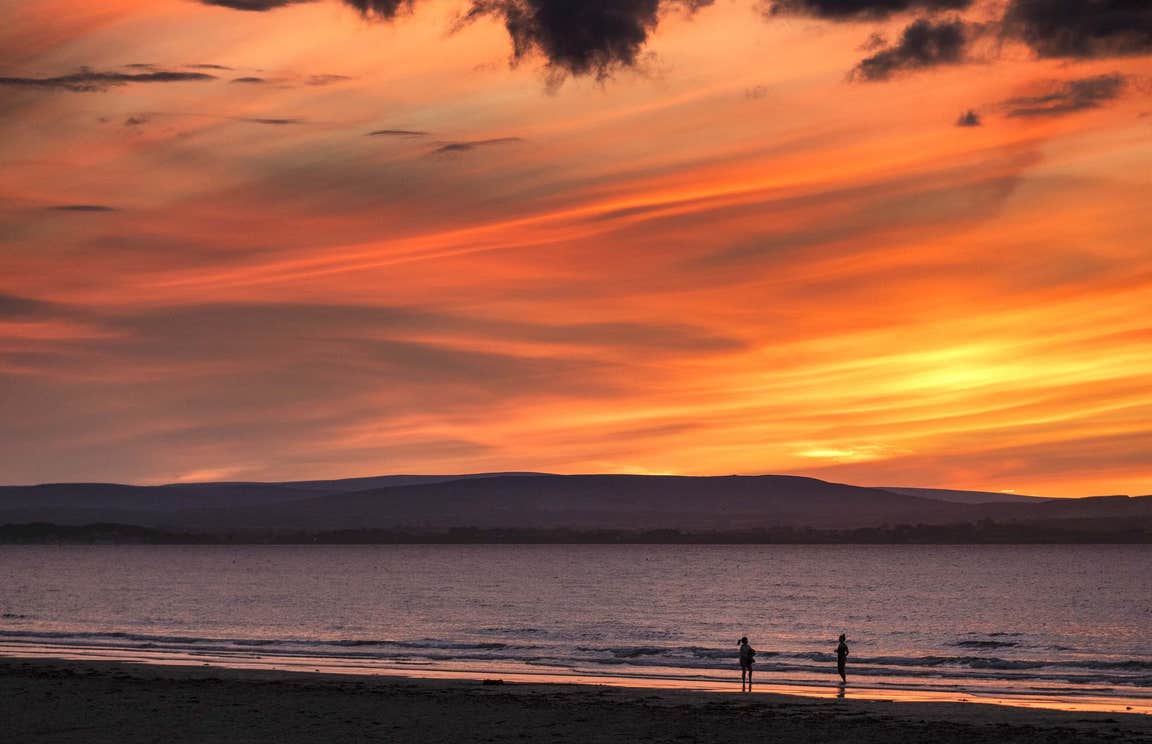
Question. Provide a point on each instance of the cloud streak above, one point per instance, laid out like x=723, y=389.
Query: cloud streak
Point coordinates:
x=372, y=9
x=274, y=122
x=396, y=133
x=82, y=208
x=466, y=146
x=89, y=81
x=1067, y=97
x=254, y=6
x=860, y=10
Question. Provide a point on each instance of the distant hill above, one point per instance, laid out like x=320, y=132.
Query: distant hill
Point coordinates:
x=963, y=497
x=633, y=502
x=174, y=497
x=344, y=485
x=530, y=501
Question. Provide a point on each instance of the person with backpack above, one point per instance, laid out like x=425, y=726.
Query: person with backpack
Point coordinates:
x=747, y=658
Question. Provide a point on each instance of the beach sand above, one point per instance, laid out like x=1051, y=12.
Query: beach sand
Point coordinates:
x=53, y=701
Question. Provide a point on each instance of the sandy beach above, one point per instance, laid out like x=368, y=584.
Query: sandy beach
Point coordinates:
x=53, y=701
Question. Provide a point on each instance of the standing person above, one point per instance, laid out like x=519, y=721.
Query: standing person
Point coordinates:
x=842, y=658
x=747, y=658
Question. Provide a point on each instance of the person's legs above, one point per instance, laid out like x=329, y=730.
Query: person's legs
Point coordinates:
x=840, y=668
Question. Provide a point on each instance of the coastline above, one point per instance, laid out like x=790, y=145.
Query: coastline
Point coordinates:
x=766, y=682
x=53, y=700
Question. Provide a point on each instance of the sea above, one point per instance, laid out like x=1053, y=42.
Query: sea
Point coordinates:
x=1059, y=626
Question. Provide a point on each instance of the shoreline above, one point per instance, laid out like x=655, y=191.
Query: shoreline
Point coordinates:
x=515, y=674
x=52, y=700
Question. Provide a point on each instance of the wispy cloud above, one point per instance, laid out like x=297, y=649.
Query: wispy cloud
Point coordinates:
x=82, y=208
x=87, y=81
x=465, y=146
x=1066, y=97
x=396, y=133
x=372, y=9
x=268, y=121
x=325, y=79
x=859, y=10
x=256, y=6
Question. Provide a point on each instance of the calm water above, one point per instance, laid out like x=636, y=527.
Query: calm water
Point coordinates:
x=1035, y=620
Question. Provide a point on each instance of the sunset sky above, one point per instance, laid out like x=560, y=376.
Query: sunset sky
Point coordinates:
x=883, y=242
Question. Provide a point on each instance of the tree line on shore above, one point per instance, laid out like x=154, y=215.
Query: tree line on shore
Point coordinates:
x=1073, y=531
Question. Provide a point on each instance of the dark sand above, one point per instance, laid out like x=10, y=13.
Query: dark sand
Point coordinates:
x=79, y=701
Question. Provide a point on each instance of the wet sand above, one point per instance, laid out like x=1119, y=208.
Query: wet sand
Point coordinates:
x=83, y=701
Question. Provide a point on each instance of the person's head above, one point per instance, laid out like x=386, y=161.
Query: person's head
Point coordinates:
x=743, y=641
x=841, y=637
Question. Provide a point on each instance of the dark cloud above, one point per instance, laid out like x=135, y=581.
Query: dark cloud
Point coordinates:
x=968, y=119
x=137, y=120
x=396, y=133
x=253, y=80
x=924, y=43
x=82, y=208
x=258, y=6
x=87, y=81
x=209, y=67
x=473, y=144
x=579, y=37
x=379, y=9
x=876, y=40
x=857, y=10
x=1081, y=28
x=1067, y=96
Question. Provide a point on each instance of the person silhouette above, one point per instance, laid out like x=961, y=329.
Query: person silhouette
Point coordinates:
x=747, y=658
x=842, y=658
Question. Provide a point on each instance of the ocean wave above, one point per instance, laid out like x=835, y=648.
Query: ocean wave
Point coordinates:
x=992, y=662
x=1077, y=671
x=428, y=644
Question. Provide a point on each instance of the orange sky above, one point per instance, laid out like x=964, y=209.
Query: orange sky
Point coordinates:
x=725, y=254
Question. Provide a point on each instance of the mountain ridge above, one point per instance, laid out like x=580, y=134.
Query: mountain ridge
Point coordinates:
x=529, y=501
